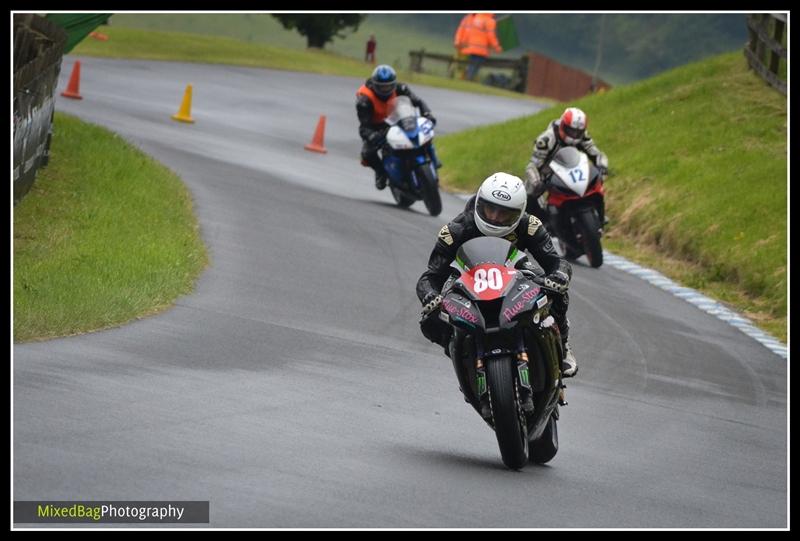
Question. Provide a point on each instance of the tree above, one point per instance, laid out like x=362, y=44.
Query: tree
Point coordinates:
x=321, y=28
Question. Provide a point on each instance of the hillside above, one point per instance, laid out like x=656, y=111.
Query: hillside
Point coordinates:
x=635, y=46
x=698, y=189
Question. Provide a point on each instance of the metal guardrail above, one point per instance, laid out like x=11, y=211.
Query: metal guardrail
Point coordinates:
x=761, y=44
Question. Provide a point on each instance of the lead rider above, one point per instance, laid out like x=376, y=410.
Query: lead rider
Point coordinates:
x=496, y=210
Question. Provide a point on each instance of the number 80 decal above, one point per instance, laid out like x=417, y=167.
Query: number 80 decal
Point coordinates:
x=488, y=279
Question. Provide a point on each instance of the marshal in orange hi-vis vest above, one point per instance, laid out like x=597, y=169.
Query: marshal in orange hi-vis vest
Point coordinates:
x=380, y=108
x=478, y=35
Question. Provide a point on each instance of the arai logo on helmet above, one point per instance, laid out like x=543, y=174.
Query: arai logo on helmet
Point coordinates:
x=500, y=194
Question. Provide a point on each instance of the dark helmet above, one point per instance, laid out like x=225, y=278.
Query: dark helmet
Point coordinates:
x=384, y=81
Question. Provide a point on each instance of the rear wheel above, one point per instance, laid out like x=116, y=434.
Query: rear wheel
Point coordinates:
x=589, y=225
x=430, y=189
x=546, y=447
x=509, y=423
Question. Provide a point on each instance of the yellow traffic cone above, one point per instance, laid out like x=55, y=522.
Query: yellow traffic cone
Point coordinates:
x=185, y=112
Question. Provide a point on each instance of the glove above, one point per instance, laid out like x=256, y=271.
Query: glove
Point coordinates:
x=430, y=117
x=602, y=164
x=430, y=302
x=375, y=139
x=530, y=269
x=557, y=281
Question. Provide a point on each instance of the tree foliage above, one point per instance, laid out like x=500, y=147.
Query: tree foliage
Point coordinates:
x=321, y=28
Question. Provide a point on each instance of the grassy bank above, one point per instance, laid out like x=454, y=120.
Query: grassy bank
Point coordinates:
x=185, y=47
x=394, y=33
x=106, y=235
x=699, y=178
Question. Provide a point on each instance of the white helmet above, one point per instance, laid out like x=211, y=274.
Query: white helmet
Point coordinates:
x=499, y=204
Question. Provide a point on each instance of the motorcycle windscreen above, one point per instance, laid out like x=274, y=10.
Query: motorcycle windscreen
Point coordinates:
x=481, y=250
x=483, y=263
x=400, y=108
x=572, y=169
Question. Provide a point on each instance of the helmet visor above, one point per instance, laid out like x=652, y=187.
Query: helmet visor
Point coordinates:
x=384, y=89
x=495, y=214
x=575, y=133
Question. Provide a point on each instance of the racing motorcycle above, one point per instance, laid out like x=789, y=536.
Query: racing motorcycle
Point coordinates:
x=506, y=348
x=408, y=159
x=575, y=204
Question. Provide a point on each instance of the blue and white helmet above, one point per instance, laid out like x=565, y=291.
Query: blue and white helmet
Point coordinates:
x=499, y=204
x=384, y=81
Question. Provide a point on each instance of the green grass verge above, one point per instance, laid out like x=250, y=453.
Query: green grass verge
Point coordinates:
x=105, y=235
x=396, y=35
x=185, y=47
x=699, y=178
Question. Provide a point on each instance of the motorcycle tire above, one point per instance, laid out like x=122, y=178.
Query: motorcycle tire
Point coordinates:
x=545, y=448
x=430, y=189
x=509, y=425
x=589, y=224
x=403, y=201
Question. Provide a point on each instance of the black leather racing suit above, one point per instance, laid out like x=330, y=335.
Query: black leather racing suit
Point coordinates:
x=529, y=235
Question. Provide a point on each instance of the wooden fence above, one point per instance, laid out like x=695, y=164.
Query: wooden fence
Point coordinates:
x=516, y=65
x=533, y=74
x=765, y=49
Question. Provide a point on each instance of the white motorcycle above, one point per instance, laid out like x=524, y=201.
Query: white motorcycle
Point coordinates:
x=575, y=204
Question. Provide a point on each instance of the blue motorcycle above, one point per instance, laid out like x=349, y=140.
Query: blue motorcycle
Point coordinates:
x=410, y=159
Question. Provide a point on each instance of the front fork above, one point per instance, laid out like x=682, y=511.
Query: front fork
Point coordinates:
x=523, y=377
x=432, y=149
x=523, y=373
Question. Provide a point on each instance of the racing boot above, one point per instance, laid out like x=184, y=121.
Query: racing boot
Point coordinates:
x=380, y=180
x=569, y=366
x=372, y=159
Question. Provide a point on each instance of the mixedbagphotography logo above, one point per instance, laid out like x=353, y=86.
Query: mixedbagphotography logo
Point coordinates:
x=161, y=512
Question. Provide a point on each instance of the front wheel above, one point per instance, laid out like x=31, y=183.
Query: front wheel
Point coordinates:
x=430, y=189
x=589, y=225
x=403, y=201
x=509, y=424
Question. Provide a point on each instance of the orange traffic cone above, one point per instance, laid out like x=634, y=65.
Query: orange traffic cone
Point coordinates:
x=185, y=112
x=316, y=143
x=99, y=36
x=73, y=88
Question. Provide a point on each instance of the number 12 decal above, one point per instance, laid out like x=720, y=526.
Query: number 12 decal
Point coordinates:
x=491, y=279
x=578, y=173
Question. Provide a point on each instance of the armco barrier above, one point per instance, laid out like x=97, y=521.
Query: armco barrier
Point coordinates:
x=38, y=50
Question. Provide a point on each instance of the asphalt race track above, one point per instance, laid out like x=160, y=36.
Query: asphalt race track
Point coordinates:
x=293, y=388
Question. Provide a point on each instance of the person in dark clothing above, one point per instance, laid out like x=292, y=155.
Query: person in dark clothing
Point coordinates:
x=497, y=210
x=369, y=55
x=373, y=102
